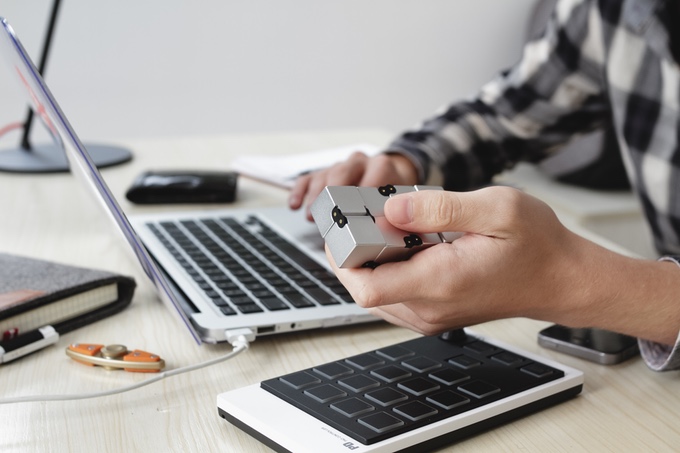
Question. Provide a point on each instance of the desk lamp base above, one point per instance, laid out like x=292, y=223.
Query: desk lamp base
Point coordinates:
x=51, y=158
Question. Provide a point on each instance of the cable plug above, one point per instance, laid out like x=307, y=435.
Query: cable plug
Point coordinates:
x=240, y=338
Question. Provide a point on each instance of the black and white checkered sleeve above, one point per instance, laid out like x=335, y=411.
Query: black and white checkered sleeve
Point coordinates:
x=552, y=93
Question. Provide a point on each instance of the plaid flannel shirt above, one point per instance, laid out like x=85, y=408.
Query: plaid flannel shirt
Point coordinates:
x=597, y=61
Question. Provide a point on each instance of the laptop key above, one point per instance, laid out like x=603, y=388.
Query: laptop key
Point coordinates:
x=227, y=310
x=241, y=300
x=298, y=300
x=219, y=302
x=321, y=296
x=261, y=293
x=249, y=308
x=274, y=303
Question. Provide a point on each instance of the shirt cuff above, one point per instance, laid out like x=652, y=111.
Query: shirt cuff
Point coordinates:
x=660, y=357
x=657, y=356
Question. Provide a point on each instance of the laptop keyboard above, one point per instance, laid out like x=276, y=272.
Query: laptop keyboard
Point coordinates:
x=383, y=393
x=247, y=267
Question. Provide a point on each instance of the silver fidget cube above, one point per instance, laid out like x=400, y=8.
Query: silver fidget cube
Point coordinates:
x=351, y=221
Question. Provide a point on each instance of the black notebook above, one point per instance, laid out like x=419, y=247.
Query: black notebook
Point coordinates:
x=36, y=293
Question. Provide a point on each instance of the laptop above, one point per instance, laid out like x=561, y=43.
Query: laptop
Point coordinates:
x=219, y=271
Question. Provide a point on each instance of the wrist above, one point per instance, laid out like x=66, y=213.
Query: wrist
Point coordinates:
x=405, y=168
x=628, y=295
x=571, y=283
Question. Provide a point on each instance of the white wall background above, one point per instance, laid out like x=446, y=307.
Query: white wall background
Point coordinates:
x=170, y=67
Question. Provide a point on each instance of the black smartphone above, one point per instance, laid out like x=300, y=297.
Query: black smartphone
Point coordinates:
x=597, y=345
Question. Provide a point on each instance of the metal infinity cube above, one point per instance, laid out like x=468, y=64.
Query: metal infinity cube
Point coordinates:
x=352, y=223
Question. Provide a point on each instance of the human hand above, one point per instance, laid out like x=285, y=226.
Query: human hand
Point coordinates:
x=516, y=259
x=358, y=170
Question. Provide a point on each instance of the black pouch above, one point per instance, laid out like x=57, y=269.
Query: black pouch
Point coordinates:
x=183, y=187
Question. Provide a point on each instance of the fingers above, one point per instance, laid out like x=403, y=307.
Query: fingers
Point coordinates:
x=378, y=287
x=486, y=211
x=348, y=172
x=357, y=170
x=307, y=187
x=297, y=193
x=389, y=169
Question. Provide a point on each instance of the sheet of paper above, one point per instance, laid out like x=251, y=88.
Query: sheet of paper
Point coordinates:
x=283, y=170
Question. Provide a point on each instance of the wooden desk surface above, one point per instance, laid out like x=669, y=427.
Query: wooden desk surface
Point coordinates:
x=622, y=408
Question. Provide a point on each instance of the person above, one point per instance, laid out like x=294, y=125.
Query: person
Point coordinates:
x=596, y=62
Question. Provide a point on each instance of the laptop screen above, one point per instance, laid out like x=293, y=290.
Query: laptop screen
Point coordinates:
x=82, y=166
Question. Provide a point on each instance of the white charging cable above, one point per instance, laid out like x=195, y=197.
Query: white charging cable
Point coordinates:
x=238, y=340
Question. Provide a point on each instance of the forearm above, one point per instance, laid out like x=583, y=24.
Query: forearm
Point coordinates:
x=611, y=291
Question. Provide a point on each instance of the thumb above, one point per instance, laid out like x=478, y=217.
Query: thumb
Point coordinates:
x=430, y=211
